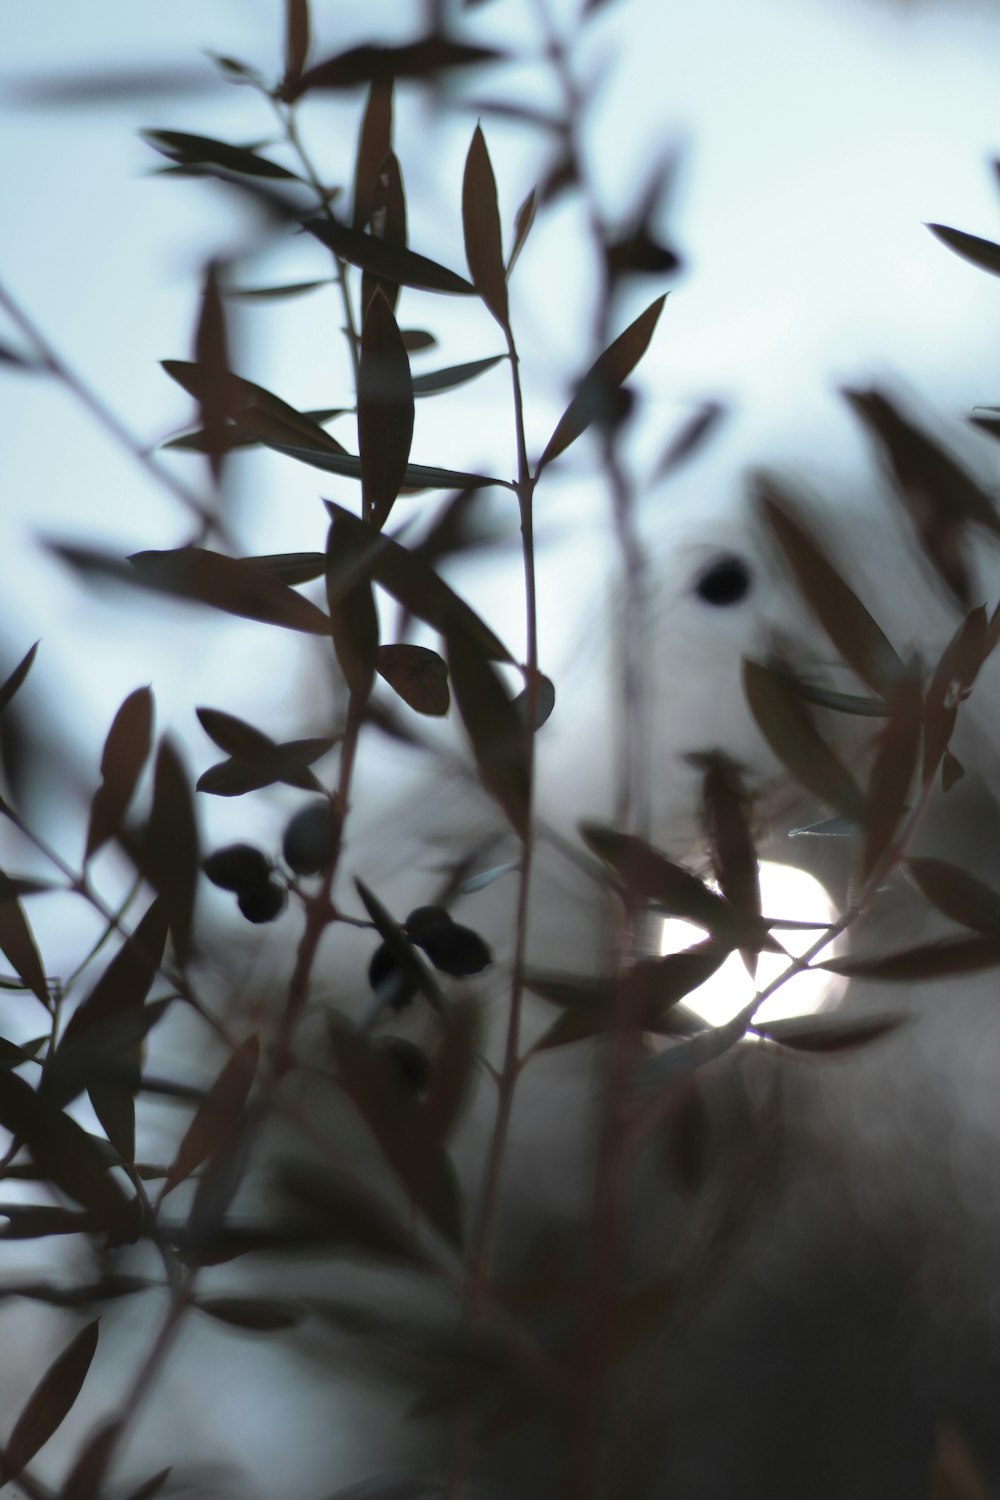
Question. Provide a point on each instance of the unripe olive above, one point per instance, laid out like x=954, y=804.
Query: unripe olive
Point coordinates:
x=236, y=867
x=263, y=902
x=452, y=948
x=311, y=838
x=391, y=984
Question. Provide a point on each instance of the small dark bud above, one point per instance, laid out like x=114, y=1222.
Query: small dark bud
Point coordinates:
x=264, y=902
x=388, y=981
x=236, y=867
x=311, y=839
x=410, y=1062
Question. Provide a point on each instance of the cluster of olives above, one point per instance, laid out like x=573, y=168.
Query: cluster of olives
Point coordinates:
x=451, y=948
x=308, y=845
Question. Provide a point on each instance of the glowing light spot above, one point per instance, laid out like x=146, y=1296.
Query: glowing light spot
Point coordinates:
x=787, y=893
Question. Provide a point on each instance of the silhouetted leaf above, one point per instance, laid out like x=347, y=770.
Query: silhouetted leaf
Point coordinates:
x=492, y=722
x=385, y=411
x=17, y=944
x=850, y=627
x=407, y=959
x=189, y=150
x=828, y=1033
x=85, y=1477
x=594, y=397
x=170, y=857
x=957, y=893
x=445, y=380
x=258, y=1314
x=415, y=340
x=283, y=293
x=67, y=1156
x=689, y=441
x=652, y=879
x=418, y=675
x=953, y=677
x=388, y=262
x=523, y=220
x=481, y=227
x=421, y=59
x=31, y=1221
x=416, y=476
x=292, y=567
x=257, y=760
x=374, y=145
x=16, y=678
x=234, y=437
x=232, y=584
x=414, y=585
x=353, y=616
x=726, y=817
x=50, y=1402
x=125, y=753
x=952, y=771
x=345, y=1216
x=151, y=1487
x=982, y=253
x=967, y=955
x=136, y=81
x=388, y=222
x=545, y=699
x=896, y=752
x=214, y=1124
x=296, y=40
x=795, y=740
x=257, y=412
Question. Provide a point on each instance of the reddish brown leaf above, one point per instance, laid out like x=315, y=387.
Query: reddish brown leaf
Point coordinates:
x=385, y=411
x=726, y=816
x=374, y=145
x=523, y=220
x=481, y=226
x=296, y=40
x=982, y=253
x=388, y=223
x=594, y=397
x=50, y=1402
x=652, y=879
x=256, y=412
x=418, y=675
x=125, y=753
x=16, y=678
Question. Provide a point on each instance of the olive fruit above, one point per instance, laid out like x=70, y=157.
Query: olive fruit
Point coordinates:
x=236, y=867
x=452, y=948
x=390, y=982
x=262, y=902
x=311, y=838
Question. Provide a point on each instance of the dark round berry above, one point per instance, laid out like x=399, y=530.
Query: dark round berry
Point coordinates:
x=263, y=902
x=410, y=1062
x=237, y=866
x=425, y=919
x=727, y=581
x=455, y=950
x=311, y=839
x=388, y=981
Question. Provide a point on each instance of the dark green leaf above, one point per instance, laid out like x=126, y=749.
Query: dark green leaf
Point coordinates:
x=388, y=262
x=194, y=150
x=492, y=722
x=594, y=398
x=850, y=627
x=481, y=227
x=231, y=584
x=789, y=730
x=125, y=753
x=418, y=675
x=385, y=411
x=958, y=894
x=982, y=253
x=414, y=585
x=16, y=678
x=368, y=63
x=50, y=1402
x=445, y=380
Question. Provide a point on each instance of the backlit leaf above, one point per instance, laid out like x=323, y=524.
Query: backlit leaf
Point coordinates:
x=726, y=818
x=50, y=1402
x=351, y=601
x=16, y=678
x=125, y=753
x=652, y=879
x=273, y=294
x=416, y=476
x=17, y=944
x=492, y=723
x=789, y=730
x=830, y=1033
x=523, y=220
x=374, y=145
x=424, y=58
x=418, y=675
x=211, y=354
x=292, y=567
x=445, y=380
x=406, y=957
x=170, y=857
x=481, y=227
x=690, y=440
x=953, y=677
x=289, y=763
x=232, y=584
x=85, y=1477
x=296, y=39
x=929, y=961
x=594, y=397
x=197, y=149
x=257, y=411
x=388, y=222
x=982, y=253
x=385, y=411
x=389, y=262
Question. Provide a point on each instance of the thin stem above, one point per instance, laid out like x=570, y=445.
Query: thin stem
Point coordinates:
x=106, y=418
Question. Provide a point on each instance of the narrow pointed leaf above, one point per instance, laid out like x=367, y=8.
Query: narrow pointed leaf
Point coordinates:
x=289, y=763
x=407, y=957
x=50, y=1402
x=353, y=616
x=283, y=293
x=492, y=723
x=654, y=880
x=451, y=1076
x=291, y=567
x=413, y=584
x=958, y=894
x=85, y=1478
x=231, y=584
x=953, y=677
x=897, y=750
x=234, y=437
x=690, y=440
x=16, y=678
x=429, y=56
x=854, y=633
x=374, y=145
x=593, y=400
x=17, y=944
x=828, y=1033
x=446, y=380
x=929, y=961
x=123, y=758
x=296, y=39
x=982, y=253
x=389, y=262
x=194, y=150
x=481, y=226
x=170, y=853
x=256, y=410
x=415, y=477
x=726, y=816
x=258, y=1314
x=388, y=223
x=523, y=220
x=211, y=355
x=385, y=411
x=215, y=1121
x=785, y=724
